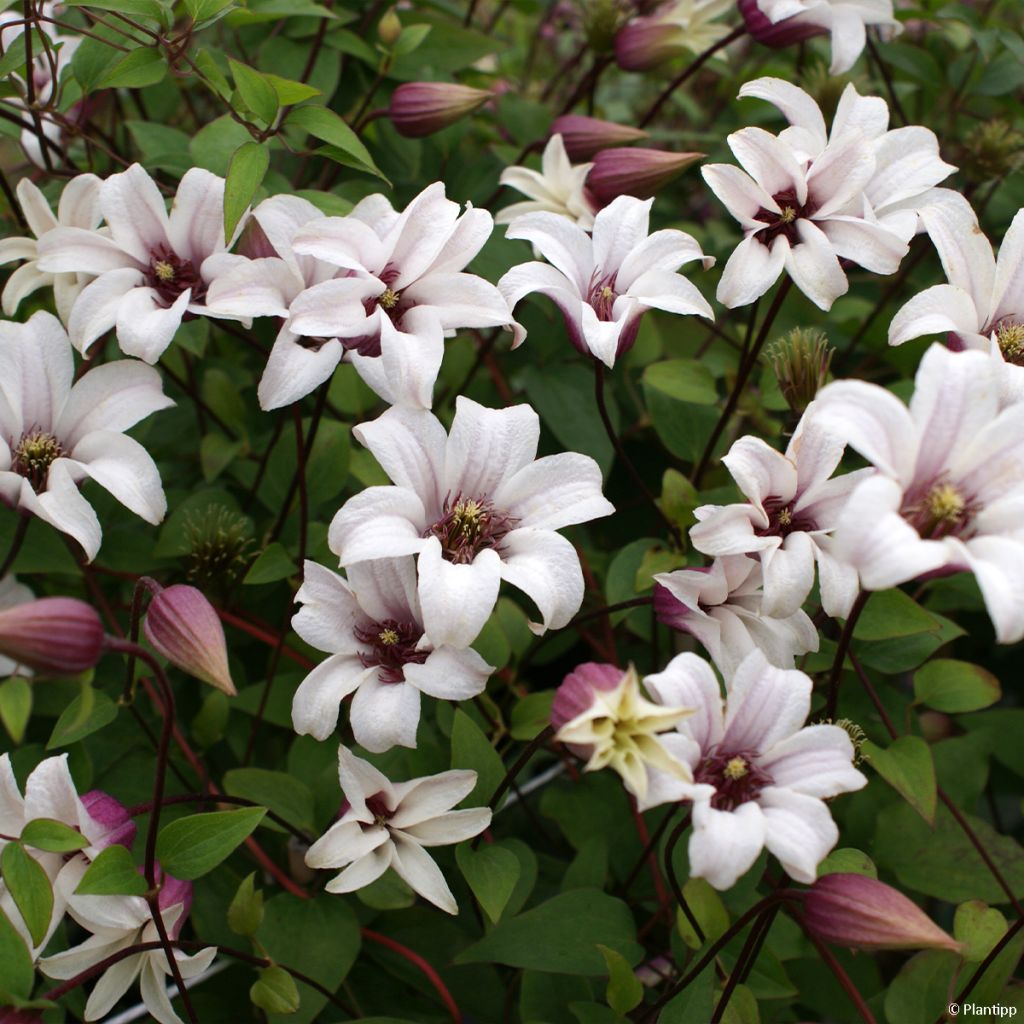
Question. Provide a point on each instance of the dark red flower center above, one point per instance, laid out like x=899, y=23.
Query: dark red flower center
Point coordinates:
x=33, y=455
x=390, y=647
x=169, y=275
x=943, y=510
x=377, y=805
x=784, y=221
x=783, y=520
x=735, y=775
x=602, y=295
x=469, y=525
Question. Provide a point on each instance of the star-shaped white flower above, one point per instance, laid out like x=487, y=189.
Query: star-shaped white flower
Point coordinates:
x=388, y=825
x=761, y=777
x=477, y=507
x=373, y=629
x=604, y=284
x=56, y=432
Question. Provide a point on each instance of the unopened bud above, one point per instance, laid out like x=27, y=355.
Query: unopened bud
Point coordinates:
x=634, y=172
x=862, y=913
x=603, y=18
x=785, y=33
x=422, y=108
x=585, y=136
x=993, y=150
x=801, y=362
x=183, y=626
x=389, y=28
x=578, y=689
x=56, y=636
x=111, y=815
x=645, y=43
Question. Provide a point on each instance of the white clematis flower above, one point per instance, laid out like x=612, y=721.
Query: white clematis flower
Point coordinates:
x=373, y=629
x=604, y=284
x=559, y=188
x=152, y=268
x=721, y=606
x=477, y=507
x=982, y=306
x=792, y=509
x=388, y=825
x=78, y=207
x=806, y=199
x=761, y=777
x=949, y=488
x=55, y=433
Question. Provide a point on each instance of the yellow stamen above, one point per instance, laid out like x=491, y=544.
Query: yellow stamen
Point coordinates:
x=1011, y=341
x=945, y=504
x=785, y=517
x=788, y=215
x=388, y=637
x=735, y=769
x=388, y=299
x=163, y=270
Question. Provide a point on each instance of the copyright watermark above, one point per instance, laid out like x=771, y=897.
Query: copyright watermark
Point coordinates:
x=981, y=1010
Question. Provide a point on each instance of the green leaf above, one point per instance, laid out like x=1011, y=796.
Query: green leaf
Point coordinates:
x=210, y=70
x=16, y=974
x=561, y=936
x=52, y=836
x=848, y=861
x=112, y=873
x=272, y=565
x=29, y=887
x=892, y=613
x=955, y=686
x=492, y=873
x=246, y=171
x=907, y=765
x=344, y=146
x=216, y=452
x=257, y=93
x=275, y=991
x=135, y=70
x=191, y=846
x=530, y=715
x=136, y=8
x=624, y=990
x=388, y=892
x=285, y=795
x=979, y=927
x=685, y=380
x=89, y=712
x=290, y=92
x=920, y=992
x=472, y=749
x=411, y=38
x=15, y=706
x=202, y=10
x=245, y=913
x=708, y=908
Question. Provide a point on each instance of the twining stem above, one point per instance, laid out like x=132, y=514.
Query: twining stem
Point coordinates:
x=673, y=881
x=16, y=541
x=841, y=649
x=748, y=956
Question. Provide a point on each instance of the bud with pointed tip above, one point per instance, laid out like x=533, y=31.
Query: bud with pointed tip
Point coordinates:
x=422, y=108
x=585, y=136
x=389, y=28
x=578, y=689
x=863, y=913
x=634, y=172
x=56, y=636
x=777, y=35
x=645, y=43
x=801, y=362
x=183, y=626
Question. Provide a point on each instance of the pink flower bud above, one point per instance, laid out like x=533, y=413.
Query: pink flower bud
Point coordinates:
x=863, y=913
x=576, y=694
x=634, y=172
x=780, y=35
x=174, y=891
x=422, y=108
x=57, y=636
x=644, y=43
x=585, y=136
x=113, y=816
x=183, y=626
x=669, y=610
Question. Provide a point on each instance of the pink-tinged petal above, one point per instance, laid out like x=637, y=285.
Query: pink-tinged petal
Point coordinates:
x=120, y=465
x=343, y=242
x=417, y=869
x=196, y=223
x=998, y=566
x=145, y=327
x=459, y=300
x=410, y=445
x=618, y=229
x=280, y=218
x=38, y=215
x=334, y=308
x=486, y=447
x=872, y=421
x=294, y=371
x=751, y=270
x=113, y=396
x=788, y=575
x=799, y=831
x=937, y=310
x=769, y=162
x=662, y=250
x=263, y=287
x=457, y=599
x=563, y=244
x=362, y=872
x=96, y=309
x=346, y=841
x=329, y=611
x=421, y=799
x=849, y=37
x=817, y=761
x=379, y=522
x=36, y=369
x=796, y=105
x=870, y=245
x=471, y=232
x=63, y=507
x=838, y=581
x=384, y=715
x=739, y=193
x=545, y=566
x=688, y=681
x=135, y=213
x=22, y=283
x=79, y=203
x=760, y=471
x=386, y=589
x=554, y=492
x=406, y=370
x=725, y=844
x=730, y=530
x=868, y=115
x=965, y=252
x=764, y=705
x=814, y=266
x=453, y=827
x=419, y=235
x=450, y=674
x=1008, y=287
x=662, y=289
x=70, y=250
x=989, y=465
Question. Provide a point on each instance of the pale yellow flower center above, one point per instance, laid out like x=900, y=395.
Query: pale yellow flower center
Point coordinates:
x=735, y=769
x=388, y=299
x=1011, y=341
x=788, y=215
x=388, y=637
x=945, y=503
x=163, y=270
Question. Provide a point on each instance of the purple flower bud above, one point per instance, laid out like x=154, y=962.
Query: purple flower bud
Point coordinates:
x=422, y=108
x=634, y=172
x=111, y=815
x=669, y=610
x=585, y=136
x=183, y=626
x=863, y=913
x=56, y=636
x=576, y=694
x=644, y=43
x=780, y=35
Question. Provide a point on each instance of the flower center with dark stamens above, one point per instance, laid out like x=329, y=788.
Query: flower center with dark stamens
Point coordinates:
x=602, y=295
x=782, y=519
x=169, y=275
x=34, y=453
x=783, y=221
x=390, y=647
x=1010, y=339
x=735, y=776
x=944, y=511
x=469, y=525
x=377, y=805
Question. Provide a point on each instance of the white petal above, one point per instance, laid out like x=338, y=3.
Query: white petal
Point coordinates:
x=134, y=210
x=688, y=681
x=870, y=245
x=379, y=522
x=618, y=229
x=545, y=566
x=751, y=270
x=317, y=701
x=123, y=467
x=456, y=599
x=799, y=831
x=797, y=106
x=423, y=799
x=725, y=844
x=488, y=446
x=410, y=446
x=95, y=310
x=814, y=266
x=294, y=371
x=563, y=244
x=362, y=872
x=998, y=565
x=196, y=223
x=417, y=869
x=817, y=761
x=386, y=589
x=344, y=842
x=63, y=507
x=769, y=162
x=384, y=715
x=739, y=193
x=555, y=491
x=962, y=246
x=663, y=250
x=76, y=250
x=450, y=674
x=408, y=365
x=788, y=575
x=145, y=327
x=764, y=704
x=760, y=471
x=329, y=611
x=944, y=307
x=661, y=289
x=453, y=827
x=1009, y=280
